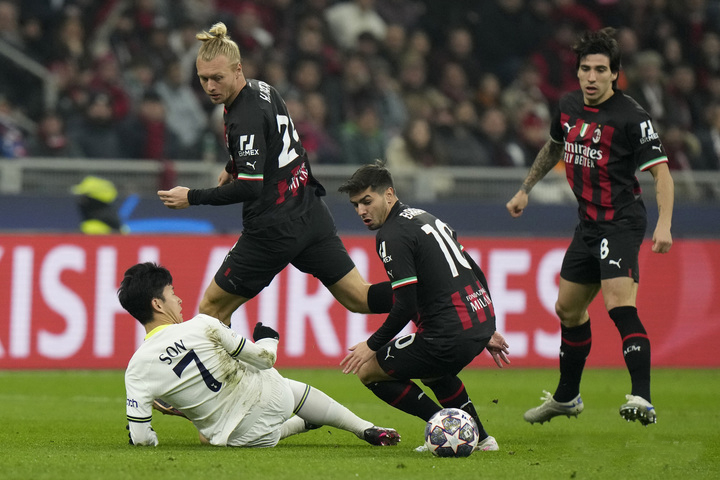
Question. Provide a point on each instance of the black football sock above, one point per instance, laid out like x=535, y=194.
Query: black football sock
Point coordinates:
x=380, y=297
x=451, y=393
x=574, y=349
x=636, y=348
x=405, y=395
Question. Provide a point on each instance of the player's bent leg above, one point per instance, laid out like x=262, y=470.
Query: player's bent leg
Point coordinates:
x=220, y=304
x=573, y=301
x=352, y=292
x=293, y=426
x=317, y=408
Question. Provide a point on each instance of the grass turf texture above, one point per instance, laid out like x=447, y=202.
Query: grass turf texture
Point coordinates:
x=71, y=425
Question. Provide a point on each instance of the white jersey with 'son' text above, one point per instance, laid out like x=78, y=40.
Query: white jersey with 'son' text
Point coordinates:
x=216, y=377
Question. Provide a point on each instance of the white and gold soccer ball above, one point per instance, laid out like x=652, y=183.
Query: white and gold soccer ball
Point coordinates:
x=451, y=432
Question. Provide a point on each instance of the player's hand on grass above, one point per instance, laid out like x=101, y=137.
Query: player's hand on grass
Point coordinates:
x=359, y=354
x=262, y=331
x=176, y=198
x=498, y=348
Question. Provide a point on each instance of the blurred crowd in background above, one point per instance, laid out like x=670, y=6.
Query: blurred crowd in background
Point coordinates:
x=415, y=82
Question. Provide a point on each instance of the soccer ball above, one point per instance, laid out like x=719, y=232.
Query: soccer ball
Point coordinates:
x=451, y=432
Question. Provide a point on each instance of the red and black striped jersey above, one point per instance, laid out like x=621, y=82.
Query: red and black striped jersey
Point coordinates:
x=418, y=248
x=604, y=147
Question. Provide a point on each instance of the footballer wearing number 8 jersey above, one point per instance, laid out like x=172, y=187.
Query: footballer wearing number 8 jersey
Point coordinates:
x=284, y=218
x=437, y=286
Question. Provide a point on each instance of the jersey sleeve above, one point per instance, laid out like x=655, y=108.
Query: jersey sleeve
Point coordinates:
x=139, y=409
x=403, y=310
x=261, y=354
x=645, y=140
x=237, y=191
x=396, y=252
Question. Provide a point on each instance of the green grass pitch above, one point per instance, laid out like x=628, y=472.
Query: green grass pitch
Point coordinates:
x=71, y=425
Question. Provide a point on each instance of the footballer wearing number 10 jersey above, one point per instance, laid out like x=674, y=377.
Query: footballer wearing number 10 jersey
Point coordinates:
x=437, y=286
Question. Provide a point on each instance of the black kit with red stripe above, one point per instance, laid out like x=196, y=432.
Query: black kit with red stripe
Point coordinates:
x=604, y=146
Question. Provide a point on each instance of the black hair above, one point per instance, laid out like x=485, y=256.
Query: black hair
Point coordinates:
x=601, y=42
x=373, y=175
x=140, y=285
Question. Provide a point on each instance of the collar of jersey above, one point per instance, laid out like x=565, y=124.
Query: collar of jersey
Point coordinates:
x=156, y=330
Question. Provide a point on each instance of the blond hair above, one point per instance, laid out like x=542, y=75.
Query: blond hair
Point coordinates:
x=217, y=42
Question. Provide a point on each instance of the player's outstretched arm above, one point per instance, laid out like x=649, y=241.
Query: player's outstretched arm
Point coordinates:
x=665, y=194
x=175, y=198
x=550, y=154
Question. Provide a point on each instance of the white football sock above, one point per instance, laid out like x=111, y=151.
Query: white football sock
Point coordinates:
x=317, y=408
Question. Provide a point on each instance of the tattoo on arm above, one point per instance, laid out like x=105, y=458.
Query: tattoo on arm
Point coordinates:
x=546, y=159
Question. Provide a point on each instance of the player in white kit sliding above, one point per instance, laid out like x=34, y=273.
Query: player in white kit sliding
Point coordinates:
x=222, y=382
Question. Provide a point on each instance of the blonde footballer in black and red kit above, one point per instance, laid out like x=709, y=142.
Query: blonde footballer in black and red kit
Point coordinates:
x=284, y=218
x=603, y=137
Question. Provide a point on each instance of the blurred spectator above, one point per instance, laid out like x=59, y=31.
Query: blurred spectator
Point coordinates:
x=416, y=150
x=146, y=134
x=51, y=140
x=406, y=13
x=710, y=140
x=70, y=43
x=357, y=87
x=248, y=30
x=138, y=79
x=498, y=140
x=555, y=61
x=394, y=47
x=388, y=100
x=686, y=102
x=524, y=93
x=459, y=49
x=108, y=78
x=414, y=147
x=328, y=148
x=418, y=44
x=15, y=83
x=361, y=138
x=421, y=99
x=453, y=83
x=709, y=62
x=683, y=151
x=488, y=92
x=520, y=31
x=185, y=46
x=96, y=132
x=10, y=24
x=648, y=87
x=348, y=19
x=12, y=138
x=628, y=42
x=185, y=116
x=457, y=136
x=533, y=128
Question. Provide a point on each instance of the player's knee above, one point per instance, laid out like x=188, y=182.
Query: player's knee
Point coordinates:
x=568, y=317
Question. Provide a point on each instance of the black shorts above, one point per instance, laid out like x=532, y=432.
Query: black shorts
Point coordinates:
x=309, y=243
x=603, y=250
x=414, y=356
